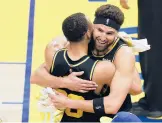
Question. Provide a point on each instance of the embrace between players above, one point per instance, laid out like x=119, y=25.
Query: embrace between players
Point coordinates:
x=95, y=70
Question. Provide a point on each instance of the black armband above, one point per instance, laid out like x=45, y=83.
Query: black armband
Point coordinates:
x=98, y=106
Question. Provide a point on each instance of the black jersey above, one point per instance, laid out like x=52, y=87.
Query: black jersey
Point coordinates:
x=60, y=67
x=110, y=55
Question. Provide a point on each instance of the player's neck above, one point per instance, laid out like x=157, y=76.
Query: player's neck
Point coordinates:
x=100, y=53
x=104, y=52
x=77, y=50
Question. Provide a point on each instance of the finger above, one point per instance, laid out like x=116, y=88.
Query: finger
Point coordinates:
x=87, y=82
x=51, y=96
x=82, y=81
x=54, y=101
x=94, y=84
x=77, y=73
x=124, y=4
x=61, y=94
x=88, y=86
x=82, y=91
x=88, y=89
x=56, y=104
x=56, y=92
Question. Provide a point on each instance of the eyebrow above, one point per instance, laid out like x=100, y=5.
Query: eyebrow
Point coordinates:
x=110, y=31
x=106, y=31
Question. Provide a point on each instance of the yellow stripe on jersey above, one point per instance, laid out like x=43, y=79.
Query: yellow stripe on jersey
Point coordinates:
x=71, y=65
x=54, y=57
x=92, y=70
x=111, y=47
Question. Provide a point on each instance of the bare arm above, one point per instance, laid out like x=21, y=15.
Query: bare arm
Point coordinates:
x=51, y=49
x=120, y=84
x=103, y=74
x=42, y=77
x=136, y=86
x=119, y=87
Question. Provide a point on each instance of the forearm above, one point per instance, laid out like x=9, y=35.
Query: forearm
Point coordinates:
x=84, y=105
x=136, y=87
x=110, y=105
x=41, y=77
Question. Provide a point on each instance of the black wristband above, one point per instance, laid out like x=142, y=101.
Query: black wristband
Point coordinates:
x=98, y=106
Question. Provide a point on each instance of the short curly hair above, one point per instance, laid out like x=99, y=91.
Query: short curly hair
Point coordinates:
x=111, y=12
x=75, y=26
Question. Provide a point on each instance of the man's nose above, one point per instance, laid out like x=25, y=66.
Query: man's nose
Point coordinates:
x=103, y=36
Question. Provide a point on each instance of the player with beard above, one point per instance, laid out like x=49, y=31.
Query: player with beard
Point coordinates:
x=106, y=46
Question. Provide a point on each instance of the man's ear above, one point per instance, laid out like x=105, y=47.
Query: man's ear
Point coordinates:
x=89, y=33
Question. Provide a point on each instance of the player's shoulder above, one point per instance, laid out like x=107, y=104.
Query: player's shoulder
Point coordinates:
x=56, y=44
x=124, y=57
x=57, y=41
x=125, y=51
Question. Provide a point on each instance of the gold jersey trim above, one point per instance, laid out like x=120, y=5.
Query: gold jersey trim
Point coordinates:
x=74, y=65
x=54, y=57
x=92, y=70
x=111, y=48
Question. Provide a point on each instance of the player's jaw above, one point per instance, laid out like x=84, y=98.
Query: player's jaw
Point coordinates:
x=100, y=44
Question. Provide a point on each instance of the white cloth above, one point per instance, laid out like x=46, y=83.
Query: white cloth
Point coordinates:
x=45, y=106
x=140, y=45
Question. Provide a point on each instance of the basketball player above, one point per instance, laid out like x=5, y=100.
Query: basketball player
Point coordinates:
x=77, y=30
x=108, y=48
x=113, y=52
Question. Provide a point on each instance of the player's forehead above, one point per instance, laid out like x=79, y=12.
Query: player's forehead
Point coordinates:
x=104, y=27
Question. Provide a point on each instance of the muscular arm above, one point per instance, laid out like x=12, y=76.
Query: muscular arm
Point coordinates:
x=120, y=84
x=119, y=87
x=42, y=77
x=103, y=74
x=136, y=87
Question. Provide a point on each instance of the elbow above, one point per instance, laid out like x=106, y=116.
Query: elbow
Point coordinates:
x=139, y=91
x=112, y=109
x=136, y=91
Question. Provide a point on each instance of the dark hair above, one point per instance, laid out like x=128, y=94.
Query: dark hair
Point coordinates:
x=110, y=11
x=75, y=26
